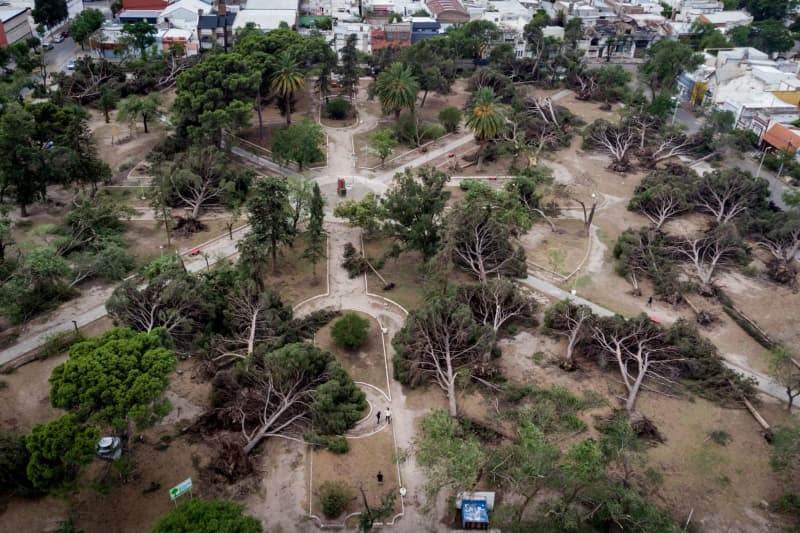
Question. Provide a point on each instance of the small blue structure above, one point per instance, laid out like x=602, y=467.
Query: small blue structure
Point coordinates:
x=474, y=514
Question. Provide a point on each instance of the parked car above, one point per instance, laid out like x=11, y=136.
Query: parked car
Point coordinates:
x=65, y=34
x=58, y=39
x=48, y=46
x=71, y=64
x=109, y=448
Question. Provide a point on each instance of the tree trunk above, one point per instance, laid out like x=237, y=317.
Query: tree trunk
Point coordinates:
x=424, y=97
x=634, y=392
x=105, y=111
x=288, y=104
x=397, y=115
x=260, y=117
x=23, y=209
x=451, y=388
x=274, y=256
x=230, y=231
x=479, y=165
x=144, y=120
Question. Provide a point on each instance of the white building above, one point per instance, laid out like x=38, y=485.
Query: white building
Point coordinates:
x=267, y=14
x=727, y=20
x=184, y=14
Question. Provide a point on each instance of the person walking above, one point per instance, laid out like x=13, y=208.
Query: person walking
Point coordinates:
x=388, y=416
x=378, y=416
x=380, y=476
x=650, y=302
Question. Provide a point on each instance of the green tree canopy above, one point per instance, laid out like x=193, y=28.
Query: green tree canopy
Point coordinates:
x=58, y=449
x=769, y=36
x=141, y=35
x=115, y=377
x=301, y=142
x=85, y=24
x=207, y=516
x=486, y=117
x=665, y=60
x=271, y=222
x=143, y=107
x=49, y=12
x=214, y=94
x=351, y=331
x=287, y=78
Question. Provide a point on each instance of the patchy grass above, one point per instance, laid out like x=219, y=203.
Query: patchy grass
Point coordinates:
x=358, y=467
x=293, y=277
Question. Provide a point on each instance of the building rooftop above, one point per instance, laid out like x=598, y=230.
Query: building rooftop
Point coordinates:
x=726, y=17
x=139, y=13
x=438, y=7
x=272, y=5
x=264, y=19
x=210, y=22
x=8, y=14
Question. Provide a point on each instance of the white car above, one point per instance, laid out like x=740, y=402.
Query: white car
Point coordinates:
x=71, y=64
x=58, y=39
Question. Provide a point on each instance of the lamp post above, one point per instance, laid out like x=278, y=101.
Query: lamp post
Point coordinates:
x=783, y=158
x=675, y=104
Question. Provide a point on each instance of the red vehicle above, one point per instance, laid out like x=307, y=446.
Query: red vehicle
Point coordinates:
x=195, y=251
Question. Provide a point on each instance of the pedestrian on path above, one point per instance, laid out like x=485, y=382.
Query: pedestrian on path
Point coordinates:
x=380, y=476
x=388, y=416
x=378, y=416
x=650, y=302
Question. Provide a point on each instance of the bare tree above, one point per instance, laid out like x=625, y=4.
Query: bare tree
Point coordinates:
x=171, y=301
x=198, y=177
x=707, y=254
x=669, y=144
x=498, y=302
x=779, y=234
x=572, y=321
x=660, y=200
x=439, y=341
x=615, y=140
x=254, y=317
x=726, y=194
x=637, y=347
x=481, y=245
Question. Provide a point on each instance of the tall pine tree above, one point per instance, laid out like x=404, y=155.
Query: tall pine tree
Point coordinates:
x=271, y=222
x=316, y=234
x=348, y=72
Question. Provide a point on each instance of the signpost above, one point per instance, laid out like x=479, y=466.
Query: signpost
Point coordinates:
x=180, y=489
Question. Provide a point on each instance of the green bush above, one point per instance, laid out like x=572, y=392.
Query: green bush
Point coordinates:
x=350, y=331
x=431, y=132
x=338, y=445
x=338, y=108
x=450, y=118
x=334, y=496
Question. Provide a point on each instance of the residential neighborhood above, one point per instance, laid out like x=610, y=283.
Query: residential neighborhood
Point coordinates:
x=399, y=265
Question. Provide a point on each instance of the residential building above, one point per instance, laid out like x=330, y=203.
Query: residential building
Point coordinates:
x=397, y=35
x=14, y=26
x=424, y=28
x=448, y=11
x=146, y=5
x=726, y=20
x=132, y=16
x=783, y=137
x=343, y=29
x=216, y=29
x=185, y=38
x=184, y=14
x=267, y=14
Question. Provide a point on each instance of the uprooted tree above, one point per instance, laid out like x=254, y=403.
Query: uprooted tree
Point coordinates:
x=707, y=254
x=617, y=140
x=779, y=234
x=729, y=193
x=498, y=303
x=663, y=195
x=438, y=342
x=572, y=321
x=480, y=244
x=638, y=349
x=645, y=253
x=289, y=393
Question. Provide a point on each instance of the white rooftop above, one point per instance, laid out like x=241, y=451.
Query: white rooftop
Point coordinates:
x=8, y=14
x=726, y=17
x=272, y=5
x=264, y=19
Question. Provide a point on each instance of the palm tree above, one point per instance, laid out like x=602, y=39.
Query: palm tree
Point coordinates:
x=397, y=89
x=286, y=80
x=486, y=118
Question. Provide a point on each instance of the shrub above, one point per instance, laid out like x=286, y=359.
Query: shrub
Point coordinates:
x=334, y=496
x=450, y=118
x=59, y=342
x=14, y=459
x=720, y=437
x=338, y=108
x=431, y=132
x=338, y=445
x=350, y=331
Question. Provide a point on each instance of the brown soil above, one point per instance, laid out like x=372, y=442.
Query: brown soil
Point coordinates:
x=560, y=252
x=26, y=396
x=435, y=102
x=146, y=236
x=358, y=466
x=365, y=157
x=365, y=364
x=294, y=278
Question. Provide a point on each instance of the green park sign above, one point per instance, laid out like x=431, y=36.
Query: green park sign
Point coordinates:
x=180, y=489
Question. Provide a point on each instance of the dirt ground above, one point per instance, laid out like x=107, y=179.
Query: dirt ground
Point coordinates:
x=365, y=364
x=560, y=252
x=294, y=278
x=360, y=465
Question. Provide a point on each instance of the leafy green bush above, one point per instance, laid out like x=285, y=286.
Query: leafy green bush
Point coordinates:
x=350, y=331
x=207, y=516
x=431, y=132
x=720, y=437
x=14, y=458
x=450, y=118
x=338, y=445
x=334, y=496
x=338, y=108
